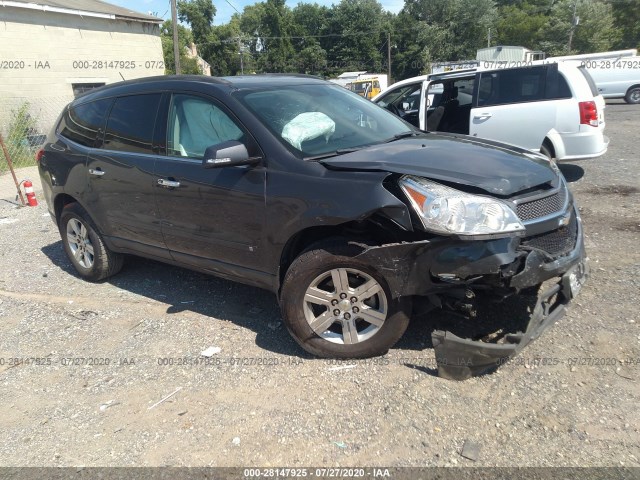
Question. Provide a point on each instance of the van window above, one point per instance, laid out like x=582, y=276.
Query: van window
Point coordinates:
x=512, y=86
x=563, y=88
x=131, y=122
x=81, y=123
x=196, y=124
x=592, y=84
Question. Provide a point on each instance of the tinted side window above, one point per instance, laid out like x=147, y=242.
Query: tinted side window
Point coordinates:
x=131, y=122
x=405, y=98
x=81, y=123
x=512, y=86
x=563, y=89
x=196, y=124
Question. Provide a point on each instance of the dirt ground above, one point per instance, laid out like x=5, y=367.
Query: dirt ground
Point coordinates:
x=111, y=374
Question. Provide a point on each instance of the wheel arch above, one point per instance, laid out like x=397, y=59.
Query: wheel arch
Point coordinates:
x=374, y=229
x=61, y=201
x=632, y=87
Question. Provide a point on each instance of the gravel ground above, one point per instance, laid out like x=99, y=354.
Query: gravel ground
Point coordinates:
x=570, y=399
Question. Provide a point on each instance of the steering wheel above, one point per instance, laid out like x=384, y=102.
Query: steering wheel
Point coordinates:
x=393, y=109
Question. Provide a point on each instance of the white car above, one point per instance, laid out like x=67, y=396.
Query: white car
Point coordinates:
x=550, y=108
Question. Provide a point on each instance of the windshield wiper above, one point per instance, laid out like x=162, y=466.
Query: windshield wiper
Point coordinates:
x=398, y=136
x=335, y=153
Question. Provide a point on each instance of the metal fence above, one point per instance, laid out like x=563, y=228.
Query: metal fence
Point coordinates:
x=24, y=125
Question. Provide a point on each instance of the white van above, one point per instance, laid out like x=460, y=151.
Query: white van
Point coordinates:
x=618, y=78
x=551, y=108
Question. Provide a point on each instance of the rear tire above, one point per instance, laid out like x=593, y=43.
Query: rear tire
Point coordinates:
x=633, y=95
x=355, y=319
x=85, y=247
x=546, y=151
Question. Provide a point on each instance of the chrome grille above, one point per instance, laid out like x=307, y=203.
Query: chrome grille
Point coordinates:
x=542, y=207
x=558, y=242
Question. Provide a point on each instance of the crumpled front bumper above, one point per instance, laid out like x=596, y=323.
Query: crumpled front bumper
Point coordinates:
x=458, y=358
x=415, y=268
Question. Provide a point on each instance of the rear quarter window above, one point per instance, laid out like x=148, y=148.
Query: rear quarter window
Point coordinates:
x=589, y=79
x=84, y=123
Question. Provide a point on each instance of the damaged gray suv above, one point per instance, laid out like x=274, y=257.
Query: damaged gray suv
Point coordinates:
x=350, y=215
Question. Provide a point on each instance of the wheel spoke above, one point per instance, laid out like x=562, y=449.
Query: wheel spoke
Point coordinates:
x=340, y=279
x=89, y=249
x=72, y=239
x=367, y=290
x=74, y=227
x=316, y=296
x=372, y=316
x=78, y=255
x=349, y=332
x=83, y=231
x=322, y=323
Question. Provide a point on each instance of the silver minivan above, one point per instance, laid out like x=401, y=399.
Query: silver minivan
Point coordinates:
x=552, y=108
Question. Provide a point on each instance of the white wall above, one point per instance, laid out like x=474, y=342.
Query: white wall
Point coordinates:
x=38, y=50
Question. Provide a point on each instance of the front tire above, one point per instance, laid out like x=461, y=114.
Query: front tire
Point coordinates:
x=84, y=245
x=337, y=306
x=633, y=95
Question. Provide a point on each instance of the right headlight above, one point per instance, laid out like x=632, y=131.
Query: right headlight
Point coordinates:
x=449, y=211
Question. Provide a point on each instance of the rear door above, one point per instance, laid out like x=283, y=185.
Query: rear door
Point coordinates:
x=211, y=217
x=512, y=106
x=121, y=179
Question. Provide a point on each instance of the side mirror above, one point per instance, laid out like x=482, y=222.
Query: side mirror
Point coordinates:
x=227, y=154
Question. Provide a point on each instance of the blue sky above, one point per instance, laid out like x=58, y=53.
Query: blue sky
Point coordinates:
x=161, y=8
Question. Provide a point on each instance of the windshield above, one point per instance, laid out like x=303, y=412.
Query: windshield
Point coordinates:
x=320, y=119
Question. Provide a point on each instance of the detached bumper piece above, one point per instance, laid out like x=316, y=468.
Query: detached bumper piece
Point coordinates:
x=459, y=359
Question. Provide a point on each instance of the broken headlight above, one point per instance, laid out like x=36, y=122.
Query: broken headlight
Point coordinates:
x=447, y=210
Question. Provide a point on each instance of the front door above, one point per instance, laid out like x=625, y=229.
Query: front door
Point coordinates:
x=211, y=217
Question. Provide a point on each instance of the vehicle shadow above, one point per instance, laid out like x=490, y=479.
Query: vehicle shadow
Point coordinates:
x=256, y=309
x=572, y=173
x=182, y=289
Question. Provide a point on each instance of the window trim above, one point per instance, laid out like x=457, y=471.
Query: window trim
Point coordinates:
x=97, y=141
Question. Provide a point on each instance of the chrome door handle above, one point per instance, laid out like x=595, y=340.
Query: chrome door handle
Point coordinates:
x=97, y=173
x=168, y=183
x=482, y=115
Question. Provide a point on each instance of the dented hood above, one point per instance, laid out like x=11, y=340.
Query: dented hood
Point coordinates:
x=494, y=167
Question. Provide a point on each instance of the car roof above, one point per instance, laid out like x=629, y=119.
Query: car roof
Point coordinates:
x=162, y=82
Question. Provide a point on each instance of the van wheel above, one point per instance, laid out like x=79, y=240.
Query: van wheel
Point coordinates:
x=337, y=306
x=85, y=246
x=633, y=95
x=546, y=151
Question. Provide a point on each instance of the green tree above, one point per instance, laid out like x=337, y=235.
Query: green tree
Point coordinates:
x=594, y=33
x=451, y=29
x=626, y=14
x=360, y=27
x=278, y=49
x=199, y=15
x=187, y=65
x=521, y=24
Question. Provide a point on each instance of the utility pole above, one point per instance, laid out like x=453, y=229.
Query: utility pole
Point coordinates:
x=389, y=58
x=176, y=47
x=489, y=38
x=574, y=23
x=240, y=53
